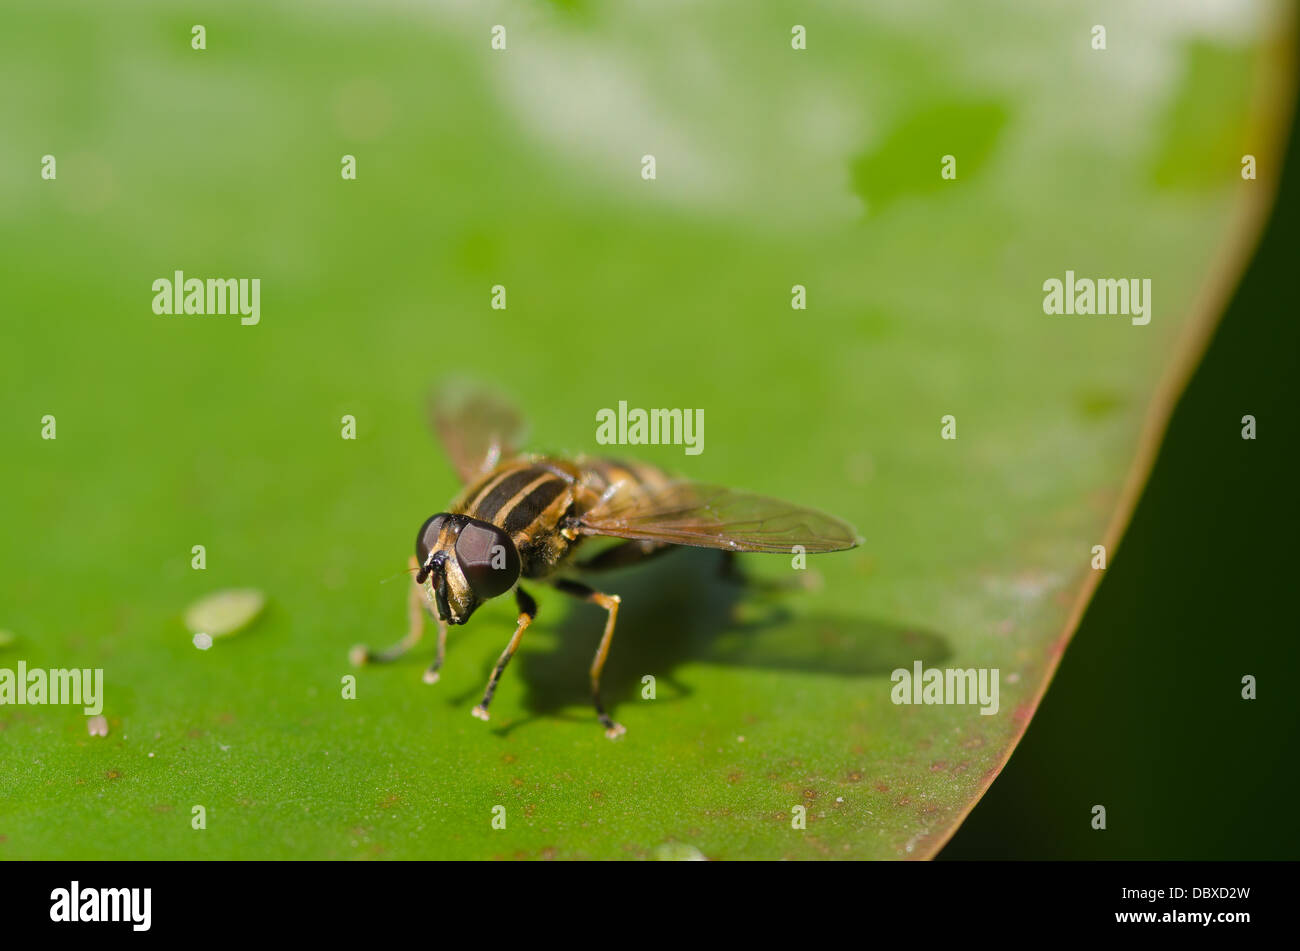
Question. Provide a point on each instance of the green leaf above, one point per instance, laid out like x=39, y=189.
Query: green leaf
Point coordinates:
x=775, y=167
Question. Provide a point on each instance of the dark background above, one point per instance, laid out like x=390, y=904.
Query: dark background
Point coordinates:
x=1145, y=716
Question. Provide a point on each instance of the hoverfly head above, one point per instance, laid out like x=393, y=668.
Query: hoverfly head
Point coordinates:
x=463, y=562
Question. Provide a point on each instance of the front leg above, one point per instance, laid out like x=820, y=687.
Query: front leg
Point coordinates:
x=415, y=605
x=431, y=675
x=527, y=611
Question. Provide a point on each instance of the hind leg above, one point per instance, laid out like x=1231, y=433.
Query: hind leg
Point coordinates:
x=610, y=603
x=620, y=556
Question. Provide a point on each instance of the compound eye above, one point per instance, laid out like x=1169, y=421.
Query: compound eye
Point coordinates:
x=488, y=559
x=428, y=536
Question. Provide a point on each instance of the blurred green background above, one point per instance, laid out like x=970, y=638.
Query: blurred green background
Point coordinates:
x=1200, y=596
x=522, y=167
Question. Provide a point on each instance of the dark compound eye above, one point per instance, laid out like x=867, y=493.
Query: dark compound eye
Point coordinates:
x=428, y=536
x=488, y=559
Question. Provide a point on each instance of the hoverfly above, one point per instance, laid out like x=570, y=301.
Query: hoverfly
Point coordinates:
x=523, y=517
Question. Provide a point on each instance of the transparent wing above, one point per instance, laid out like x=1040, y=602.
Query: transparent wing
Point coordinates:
x=478, y=427
x=709, y=516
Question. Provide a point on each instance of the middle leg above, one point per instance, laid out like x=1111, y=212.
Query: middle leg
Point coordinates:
x=527, y=611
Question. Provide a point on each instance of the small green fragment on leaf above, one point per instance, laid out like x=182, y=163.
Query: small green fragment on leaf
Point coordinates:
x=7, y=638
x=224, y=613
x=678, y=852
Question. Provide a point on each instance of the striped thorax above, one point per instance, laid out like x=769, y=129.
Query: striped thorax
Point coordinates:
x=512, y=523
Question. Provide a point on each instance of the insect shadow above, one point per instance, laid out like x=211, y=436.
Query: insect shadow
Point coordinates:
x=683, y=608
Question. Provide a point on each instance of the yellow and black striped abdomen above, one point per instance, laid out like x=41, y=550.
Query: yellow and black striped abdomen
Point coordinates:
x=530, y=497
x=627, y=482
